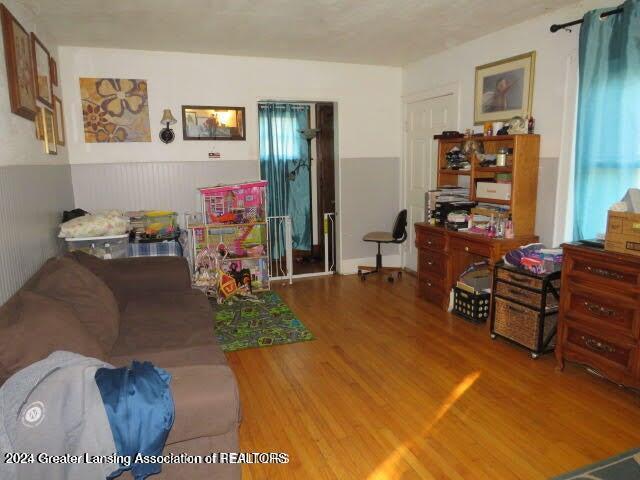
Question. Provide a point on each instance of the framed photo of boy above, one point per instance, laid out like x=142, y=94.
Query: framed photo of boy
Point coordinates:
x=504, y=89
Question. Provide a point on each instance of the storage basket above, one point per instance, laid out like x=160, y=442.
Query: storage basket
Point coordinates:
x=103, y=247
x=471, y=306
x=521, y=324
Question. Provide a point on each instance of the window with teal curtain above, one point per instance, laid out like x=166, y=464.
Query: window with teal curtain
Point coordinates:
x=608, y=133
x=282, y=149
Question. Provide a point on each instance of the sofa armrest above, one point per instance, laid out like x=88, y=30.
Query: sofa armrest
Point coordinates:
x=151, y=274
x=206, y=400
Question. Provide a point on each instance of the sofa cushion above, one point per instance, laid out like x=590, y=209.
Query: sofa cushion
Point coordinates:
x=93, y=302
x=102, y=269
x=207, y=402
x=40, y=326
x=171, y=322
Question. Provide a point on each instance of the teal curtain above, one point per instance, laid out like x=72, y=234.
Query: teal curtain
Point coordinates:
x=282, y=149
x=608, y=133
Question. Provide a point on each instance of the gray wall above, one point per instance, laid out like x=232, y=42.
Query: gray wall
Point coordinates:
x=370, y=200
x=32, y=198
x=159, y=185
x=368, y=195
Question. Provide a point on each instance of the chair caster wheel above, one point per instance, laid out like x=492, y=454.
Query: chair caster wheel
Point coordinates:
x=534, y=355
x=363, y=278
x=493, y=336
x=390, y=279
x=399, y=274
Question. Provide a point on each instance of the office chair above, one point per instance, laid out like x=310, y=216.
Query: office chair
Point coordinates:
x=398, y=235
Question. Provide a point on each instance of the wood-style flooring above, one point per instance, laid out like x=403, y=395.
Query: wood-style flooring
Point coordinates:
x=394, y=388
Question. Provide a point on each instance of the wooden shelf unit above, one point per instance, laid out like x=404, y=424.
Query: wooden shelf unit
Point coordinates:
x=522, y=165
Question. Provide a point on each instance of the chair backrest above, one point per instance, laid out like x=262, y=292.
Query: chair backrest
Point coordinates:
x=399, y=231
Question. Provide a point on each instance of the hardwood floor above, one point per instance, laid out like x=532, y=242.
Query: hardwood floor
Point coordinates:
x=393, y=388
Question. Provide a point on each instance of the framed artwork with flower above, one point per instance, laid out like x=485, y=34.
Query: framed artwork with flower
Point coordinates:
x=17, y=52
x=115, y=110
x=42, y=71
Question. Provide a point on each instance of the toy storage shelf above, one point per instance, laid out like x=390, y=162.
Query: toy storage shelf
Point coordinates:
x=235, y=226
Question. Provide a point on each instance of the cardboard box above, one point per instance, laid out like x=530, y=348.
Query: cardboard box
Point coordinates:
x=623, y=223
x=620, y=243
x=493, y=191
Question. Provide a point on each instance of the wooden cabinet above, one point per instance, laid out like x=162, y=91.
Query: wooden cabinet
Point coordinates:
x=522, y=165
x=443, y=255
x=599, y=323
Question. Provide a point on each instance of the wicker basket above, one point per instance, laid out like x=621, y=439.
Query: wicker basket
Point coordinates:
x=521, y=324
x=525, y=296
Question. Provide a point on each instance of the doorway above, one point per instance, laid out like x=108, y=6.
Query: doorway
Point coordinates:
x=425, y=117
x=297, y=157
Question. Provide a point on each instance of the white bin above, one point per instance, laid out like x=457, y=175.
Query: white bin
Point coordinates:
x=103, y=247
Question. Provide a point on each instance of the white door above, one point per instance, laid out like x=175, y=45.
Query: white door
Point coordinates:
x=424, y=119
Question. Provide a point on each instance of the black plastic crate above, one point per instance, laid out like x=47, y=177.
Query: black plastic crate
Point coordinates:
x=471, y=306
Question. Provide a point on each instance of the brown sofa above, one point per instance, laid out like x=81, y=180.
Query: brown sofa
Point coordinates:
x=133, y=309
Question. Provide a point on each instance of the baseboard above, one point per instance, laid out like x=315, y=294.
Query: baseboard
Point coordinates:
x=350, y=266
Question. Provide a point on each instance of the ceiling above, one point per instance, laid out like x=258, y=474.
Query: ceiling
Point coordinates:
x=383, y=32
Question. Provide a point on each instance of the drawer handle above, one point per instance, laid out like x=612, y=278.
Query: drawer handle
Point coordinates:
x=597, y=346
x=466, y=249
x=599, y=310
x=603, y=272
x=429, y=263
x=428, y=284
x=429, y=242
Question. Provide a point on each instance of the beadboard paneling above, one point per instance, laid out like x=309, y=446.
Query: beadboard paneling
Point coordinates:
x=32, y=198
x=159, y=185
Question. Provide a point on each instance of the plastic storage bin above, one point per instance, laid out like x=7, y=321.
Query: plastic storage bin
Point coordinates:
x=103, y=247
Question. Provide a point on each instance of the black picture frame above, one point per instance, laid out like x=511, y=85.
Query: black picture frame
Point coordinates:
x=196, y=131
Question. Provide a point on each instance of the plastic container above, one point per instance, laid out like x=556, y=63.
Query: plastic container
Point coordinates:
x=160, y=224
x=102, y=247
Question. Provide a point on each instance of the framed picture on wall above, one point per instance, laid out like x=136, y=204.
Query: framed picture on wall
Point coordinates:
x=504, y=89
x=54, y=72
x=59, y=120
x=17, y=52
x=41, y=71
x=49, y=130
x=213, y=123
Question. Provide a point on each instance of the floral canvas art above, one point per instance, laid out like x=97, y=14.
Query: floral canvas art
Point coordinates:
x=115, y=110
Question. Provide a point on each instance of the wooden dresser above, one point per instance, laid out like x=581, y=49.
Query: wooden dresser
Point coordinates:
x=444, y=254
x=599, y=323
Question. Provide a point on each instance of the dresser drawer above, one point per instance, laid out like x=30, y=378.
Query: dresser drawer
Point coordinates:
x=598, y=271
x=469, y=246
x=601, y=311
x=432, y=291
x=522, y=295
x=432, y=263
x=430, y=239
x=599, y=350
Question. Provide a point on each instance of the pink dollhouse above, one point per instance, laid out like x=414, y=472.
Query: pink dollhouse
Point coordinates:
x=234, y=204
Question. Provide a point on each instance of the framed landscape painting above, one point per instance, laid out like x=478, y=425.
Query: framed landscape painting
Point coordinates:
x=504, y=89
x=17, y=52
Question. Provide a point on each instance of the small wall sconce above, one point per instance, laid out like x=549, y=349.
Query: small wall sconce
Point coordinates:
x=166, y=134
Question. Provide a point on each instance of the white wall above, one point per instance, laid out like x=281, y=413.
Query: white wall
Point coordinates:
x=553, y=98
x=368, y=119
x=34, y=187
x=19, y=144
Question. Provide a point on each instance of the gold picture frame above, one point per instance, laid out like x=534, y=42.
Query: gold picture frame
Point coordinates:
x=504, y=89
x=58, y=115
x=49, y=131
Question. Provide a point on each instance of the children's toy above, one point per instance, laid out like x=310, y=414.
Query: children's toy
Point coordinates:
x=234, y=231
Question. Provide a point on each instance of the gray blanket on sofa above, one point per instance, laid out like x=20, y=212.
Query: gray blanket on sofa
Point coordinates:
x=53, y=424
